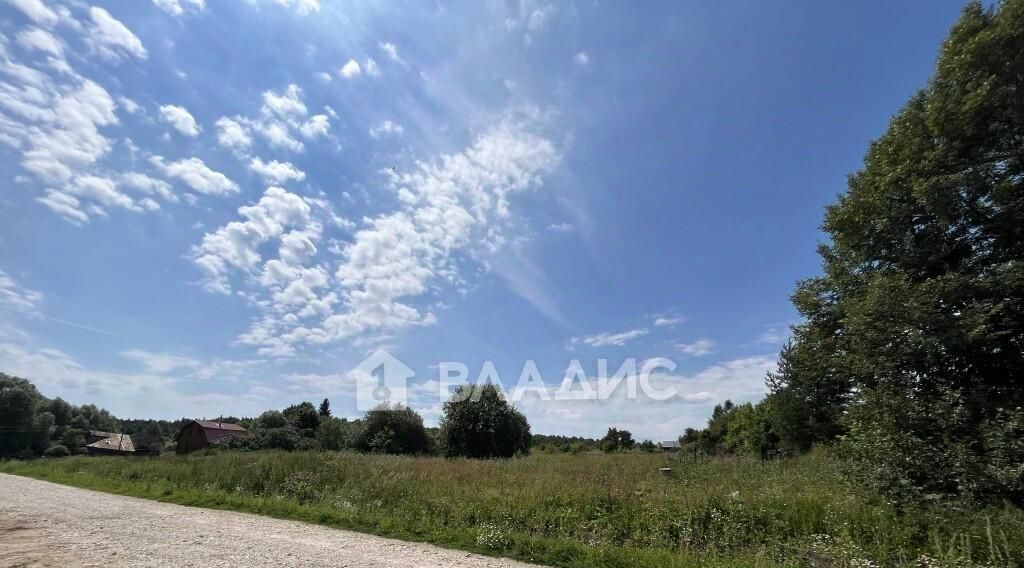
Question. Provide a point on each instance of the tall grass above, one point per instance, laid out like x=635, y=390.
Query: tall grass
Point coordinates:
x=576, y=510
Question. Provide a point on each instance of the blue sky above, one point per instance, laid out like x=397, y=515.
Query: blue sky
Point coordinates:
x=219, y=207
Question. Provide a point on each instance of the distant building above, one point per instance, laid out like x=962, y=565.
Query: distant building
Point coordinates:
x=108, y=443
x=199, y=434
x=670, y=446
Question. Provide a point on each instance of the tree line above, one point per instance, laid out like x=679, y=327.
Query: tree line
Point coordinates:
x=477, y=422
x=911, y=344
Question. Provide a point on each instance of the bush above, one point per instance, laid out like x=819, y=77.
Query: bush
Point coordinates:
x=334, y=434
x=271, y=419
x=57, y=451
x=392, y=430
x=479, y=423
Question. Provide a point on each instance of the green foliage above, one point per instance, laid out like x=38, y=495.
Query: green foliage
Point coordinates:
x=303, y=416
x=335, y=434
x=585, y=510
x=479, y=423
x=325, y=409
x=271, y=419
x=911, y=342
x=744, y=429
x=392, y=430
x=57, y=451
x=617, y=441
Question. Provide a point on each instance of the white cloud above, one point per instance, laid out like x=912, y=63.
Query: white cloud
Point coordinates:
x=582, y=59
x=179, y=7
x=276, y=172
x=64, y=205
x=130, y=106
x=109, y=38
x=698, y=348
x=237, y=244
x=16, y=297
x=774, y=335
x=101, y=190
x=606, y=339
x=233, y=134
x=141, y=393
x=350, y=69
x=317, y=126
x=446, y=204
x=740, y=380
x=279, y=135
x=36, y=11
x=41, y=40
x=371, y=69
x=323, y=76
x=386, y=128
x=448, y=207
x=301, y=7
x=561, y=227
x=148, y=185
x=285, y=105
x=180, y=119
x=391, y=50
x=194, y=173
x=160, y=362
x=668, y=320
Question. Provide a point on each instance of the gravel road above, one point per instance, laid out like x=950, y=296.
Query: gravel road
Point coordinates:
x=43, y=524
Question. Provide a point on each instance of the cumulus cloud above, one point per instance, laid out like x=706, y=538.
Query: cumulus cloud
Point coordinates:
x=179, y=7
x=581, y=59
x=233, y=134
x=448, y=207
x=41, y=40
x=391, y=50
x=237, y=244
x=36, y=10
x=111, y=39
x=180, y=119
x=371, y=69
x=276, y=172
x=350, y=69
x=317, y=126
x=286, y=105
x=386, y=128
x=195, y=174
x=606, y=339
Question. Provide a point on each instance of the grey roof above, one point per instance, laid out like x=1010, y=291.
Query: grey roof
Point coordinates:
x=669, y=444
x=114, y=442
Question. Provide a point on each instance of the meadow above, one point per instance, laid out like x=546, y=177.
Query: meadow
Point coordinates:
x=589, y=509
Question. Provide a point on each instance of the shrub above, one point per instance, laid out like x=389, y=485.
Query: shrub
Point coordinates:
x=57, y=451
x=479, y=423
x=392, y=430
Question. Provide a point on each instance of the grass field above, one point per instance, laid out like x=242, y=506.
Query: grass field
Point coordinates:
x=575, y=510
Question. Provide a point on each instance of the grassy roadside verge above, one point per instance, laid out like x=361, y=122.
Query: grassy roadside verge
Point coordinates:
x=574, y=511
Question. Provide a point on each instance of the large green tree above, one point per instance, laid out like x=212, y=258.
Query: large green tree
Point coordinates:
x=912, y=341
x=479, y=422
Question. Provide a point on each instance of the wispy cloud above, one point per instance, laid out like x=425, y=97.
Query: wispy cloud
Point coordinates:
x=606, y=339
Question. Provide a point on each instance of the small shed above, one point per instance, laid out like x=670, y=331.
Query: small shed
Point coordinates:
x=669, y=446
x=109, y=444
x=199, y=434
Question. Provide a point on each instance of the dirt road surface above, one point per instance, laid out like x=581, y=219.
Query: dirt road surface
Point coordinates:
x=43, y=524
